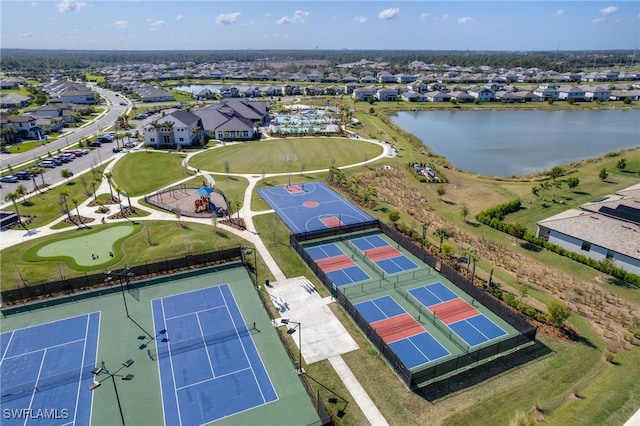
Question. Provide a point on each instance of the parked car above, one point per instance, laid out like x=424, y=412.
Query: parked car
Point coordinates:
x=48, y=164
x=23, y=175
x=56, y=161
x=104, y=139
x=9, y=179
x=95, y=144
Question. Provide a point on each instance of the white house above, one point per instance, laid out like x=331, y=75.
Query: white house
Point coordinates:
x=178, y=128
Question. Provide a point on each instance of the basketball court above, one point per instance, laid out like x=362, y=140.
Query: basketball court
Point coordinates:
x=311, y=207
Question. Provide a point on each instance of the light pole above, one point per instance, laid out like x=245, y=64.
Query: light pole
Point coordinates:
x=290, y=331
x=246, y=251
x=103, y=371
x=126, y=274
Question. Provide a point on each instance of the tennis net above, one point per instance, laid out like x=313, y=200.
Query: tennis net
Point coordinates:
x=43, y=383
x=164, y=349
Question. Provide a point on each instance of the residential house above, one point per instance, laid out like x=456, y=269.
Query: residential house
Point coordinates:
x=368, y=79
x=385, y=77
x=386, y=94
x=11, y=83
x=350, y=87
x=13, y=100
x=437, y=96
x=405, y=78
x=508, y=97
x=178, y=128
x=621, y=95
x=417, y=86
x=462, y=97
x=314, y=77
x=571, y=92
x=594, y=93
x=229, y=91
x=547, y=92
x=25, y=126
x=483, y=94
x=604, y=229
x=364, y=93
x=412, y=96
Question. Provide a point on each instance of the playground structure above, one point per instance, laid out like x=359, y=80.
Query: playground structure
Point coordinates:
x=190, y=201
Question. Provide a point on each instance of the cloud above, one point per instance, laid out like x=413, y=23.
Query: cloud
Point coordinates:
x=444, y=17
x=299, y=17
x=608, y=10
x=179, y=17
x=121, y=24
x=559, y=12
x=70, y=6
x=227, y=18
x=424, y=16
x=154, y=25
x=360, y=19
x=595, y=21
x=25, y=35
x=389, y=13
x=267, y=15
x=34, y=4
x=465, y=20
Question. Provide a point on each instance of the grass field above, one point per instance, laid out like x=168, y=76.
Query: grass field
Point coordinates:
x=312, y=154
x=156, y=240
x=139, y=173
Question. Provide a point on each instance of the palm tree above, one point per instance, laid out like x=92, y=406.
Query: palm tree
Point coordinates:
x=21, y=190
x=42, y=171
x=33, y=173
x=107, y=176
x=13, y=197
x=370, y=194
x=63, y=195
x=442, y=234
x=75, y=203
x=356, y=181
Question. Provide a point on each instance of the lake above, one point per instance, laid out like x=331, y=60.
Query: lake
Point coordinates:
x=506, y=143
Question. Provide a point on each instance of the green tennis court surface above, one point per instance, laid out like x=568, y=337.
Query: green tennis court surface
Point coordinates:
x=121, y=339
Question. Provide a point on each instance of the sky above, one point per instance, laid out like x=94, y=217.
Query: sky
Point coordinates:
x=320, y=24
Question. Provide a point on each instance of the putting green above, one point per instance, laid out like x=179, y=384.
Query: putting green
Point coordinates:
x=89, y=250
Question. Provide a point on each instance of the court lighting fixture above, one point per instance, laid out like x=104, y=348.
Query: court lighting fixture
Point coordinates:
x=103, y=371
x=290, y=331
x=126, y=274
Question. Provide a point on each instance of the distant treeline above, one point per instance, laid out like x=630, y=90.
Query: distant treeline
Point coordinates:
x=38, y=61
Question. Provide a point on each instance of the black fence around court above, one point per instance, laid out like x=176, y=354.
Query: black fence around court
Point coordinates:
x=95, y=282
x=448, y=367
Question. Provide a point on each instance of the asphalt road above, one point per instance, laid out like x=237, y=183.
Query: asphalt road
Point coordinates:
x=96, y=156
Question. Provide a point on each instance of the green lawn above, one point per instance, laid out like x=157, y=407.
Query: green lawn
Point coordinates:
x=140, y=173
x=45, y=207
x=155, y=241
x=312, y=154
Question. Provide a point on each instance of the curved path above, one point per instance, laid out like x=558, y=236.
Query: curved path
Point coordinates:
x=9, y=238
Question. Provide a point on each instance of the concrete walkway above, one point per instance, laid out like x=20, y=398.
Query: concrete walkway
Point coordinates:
x=324, y=336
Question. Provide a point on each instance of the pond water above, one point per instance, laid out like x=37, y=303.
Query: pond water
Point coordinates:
x=506, y=143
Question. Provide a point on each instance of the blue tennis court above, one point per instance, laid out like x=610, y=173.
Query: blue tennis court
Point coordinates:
x=413, y=351
x=45, y=371
x=209, y=365
x=433, y=294
x=339, y=277
x=394, y=262
x=312, y=206
x=475, y=329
